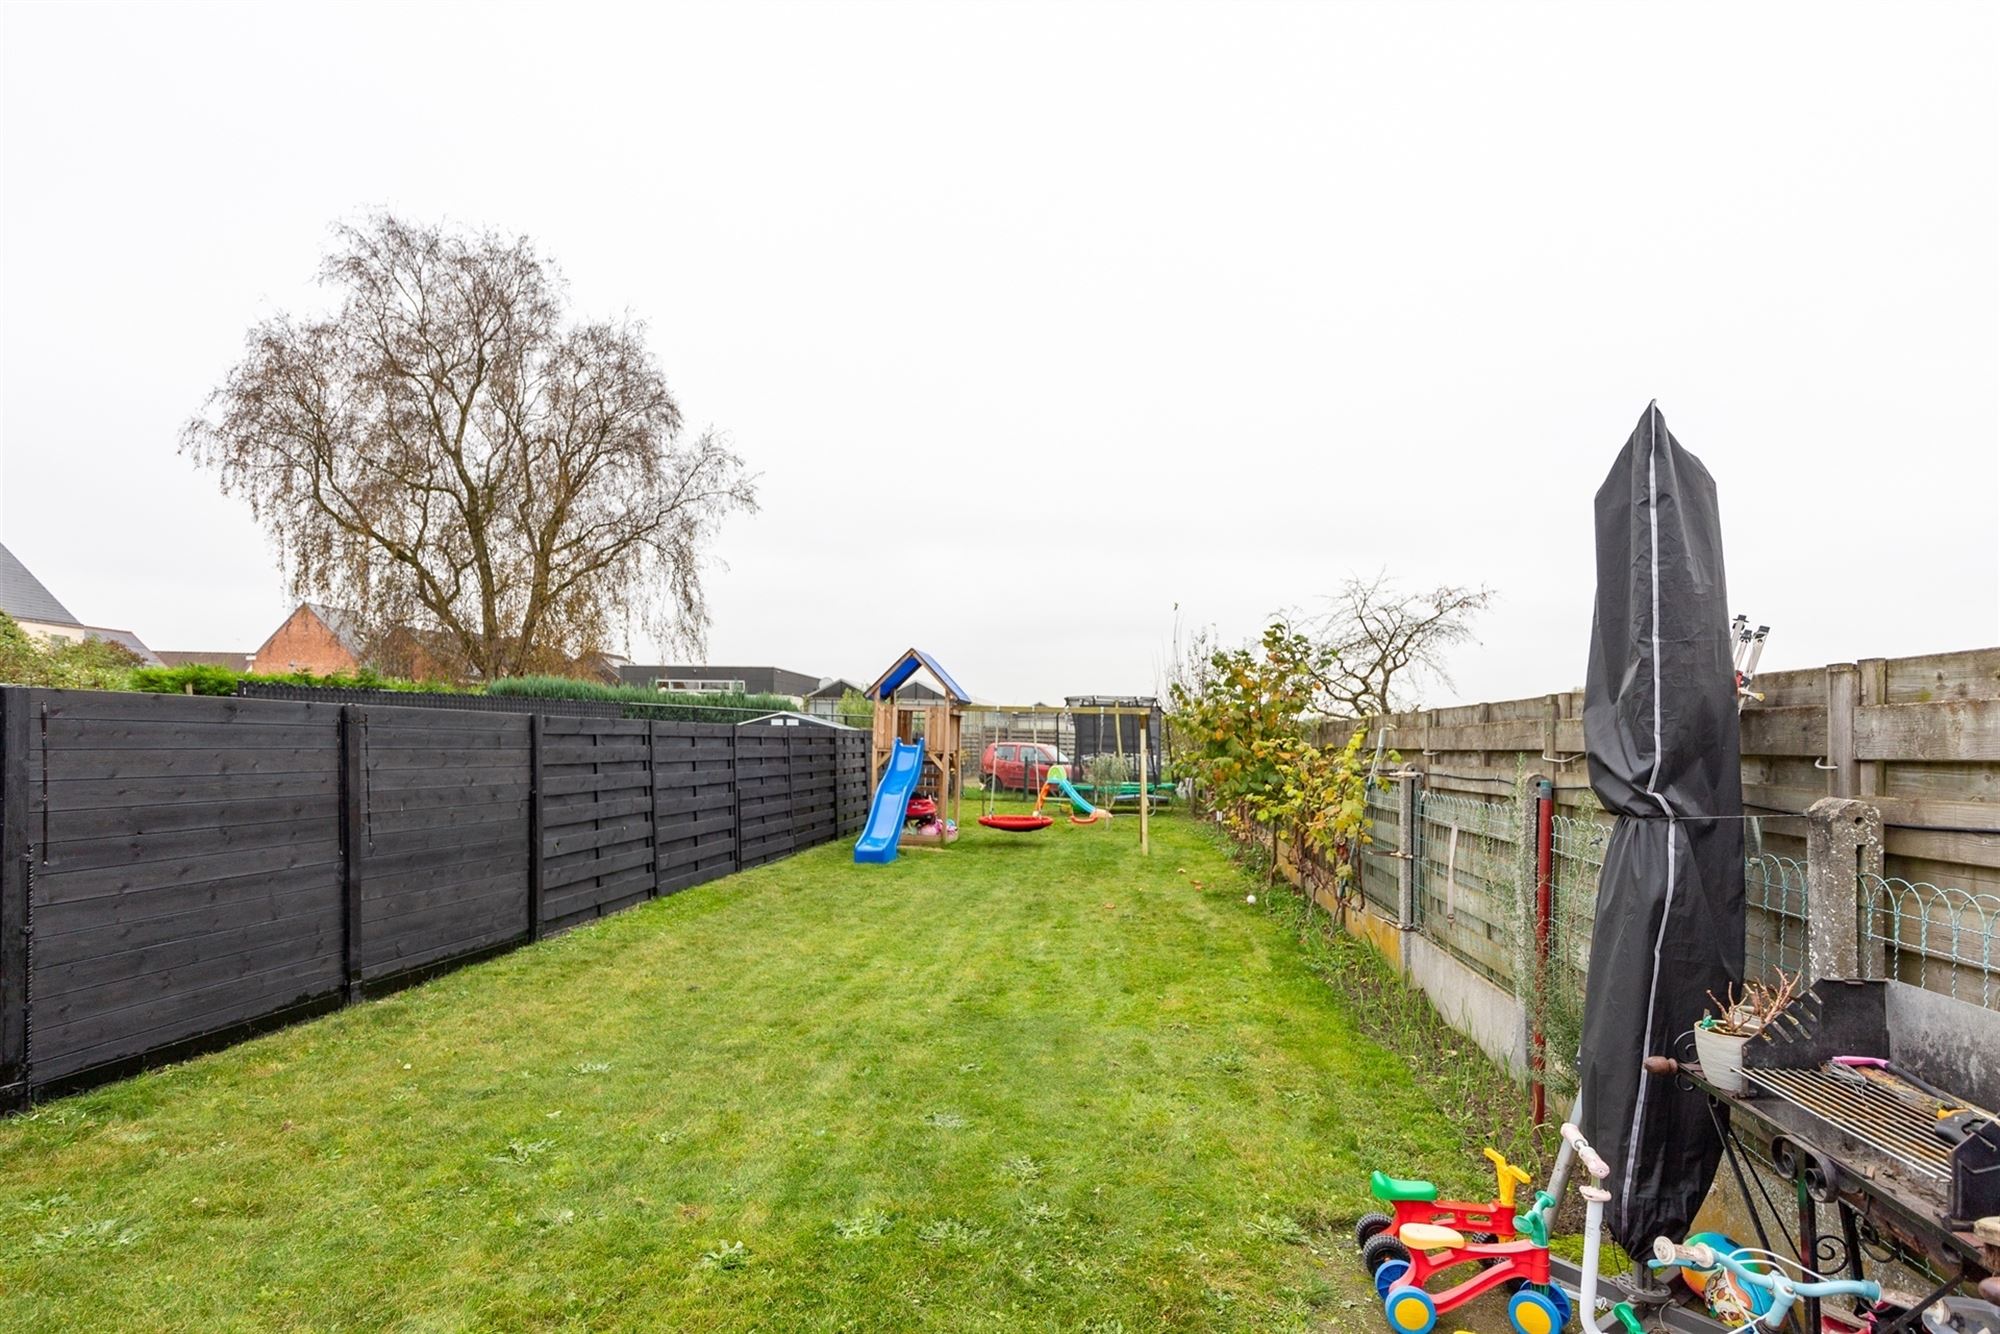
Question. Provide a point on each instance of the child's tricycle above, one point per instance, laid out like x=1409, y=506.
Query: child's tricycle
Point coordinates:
x=1514, y=1252
x=1418, y=1202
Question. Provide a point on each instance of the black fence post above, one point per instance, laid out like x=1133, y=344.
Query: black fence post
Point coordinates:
x=534, y=826
x=653, y=802
x=353, y=816
x=736, y=790
x=14, y=855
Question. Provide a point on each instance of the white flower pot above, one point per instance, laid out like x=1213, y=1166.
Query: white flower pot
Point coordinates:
x=1721, y=1057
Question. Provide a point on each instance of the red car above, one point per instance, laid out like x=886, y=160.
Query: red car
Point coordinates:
x=1016, y=765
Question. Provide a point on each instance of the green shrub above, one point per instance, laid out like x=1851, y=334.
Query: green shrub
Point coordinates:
x=855, y=709
x=199, y=678
x=91, y=664
x=718, y=706
x=1105, y=772
x=207, y=679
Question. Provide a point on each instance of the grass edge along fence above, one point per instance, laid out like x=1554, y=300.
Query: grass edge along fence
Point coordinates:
x=177, y=871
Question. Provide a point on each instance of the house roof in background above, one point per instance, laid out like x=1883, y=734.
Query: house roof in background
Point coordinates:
x=840, y=685
x=792, y=718
x=25, y=597
x=344, y=624
x=757, y=680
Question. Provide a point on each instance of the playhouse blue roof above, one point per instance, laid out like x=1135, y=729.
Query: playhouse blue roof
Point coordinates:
x=906, y=666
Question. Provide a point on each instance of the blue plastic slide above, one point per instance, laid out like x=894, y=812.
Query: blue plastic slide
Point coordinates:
x=885, y=818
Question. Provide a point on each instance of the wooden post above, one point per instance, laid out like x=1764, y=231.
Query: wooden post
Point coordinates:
x=653, y=801
x=14, y=857
x=1874, y=690
x=1843, y=694
x=736, y=787
x=1118, y=731
x=1145, y=839
x=534, y=826
x=353, y=833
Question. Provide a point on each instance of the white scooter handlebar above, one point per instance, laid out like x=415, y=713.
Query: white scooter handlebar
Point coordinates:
x=1587, y=1155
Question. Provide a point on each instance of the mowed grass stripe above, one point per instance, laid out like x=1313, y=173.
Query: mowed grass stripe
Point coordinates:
x=1030, y=1082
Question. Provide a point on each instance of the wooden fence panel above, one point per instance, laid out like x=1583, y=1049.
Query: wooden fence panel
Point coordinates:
x=443, y=843
x=597, y=818
x=694, y=803
x=812, y=758
x=1469, y=866
x=764, y=794
x=174, y=870
x=851, y=783
x=185, y=872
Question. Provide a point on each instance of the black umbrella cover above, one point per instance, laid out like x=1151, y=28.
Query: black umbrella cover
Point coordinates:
x=1660, y=724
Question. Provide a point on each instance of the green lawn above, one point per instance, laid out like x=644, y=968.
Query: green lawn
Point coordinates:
x=1029, y=1082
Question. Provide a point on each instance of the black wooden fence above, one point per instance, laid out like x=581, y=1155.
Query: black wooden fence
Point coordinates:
x=176, y=871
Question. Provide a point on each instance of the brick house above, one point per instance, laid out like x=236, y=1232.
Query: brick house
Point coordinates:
x=320, y=639
x=316, y=638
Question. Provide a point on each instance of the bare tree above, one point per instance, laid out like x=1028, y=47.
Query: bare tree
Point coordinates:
x=1375, y=641
x=448, y=454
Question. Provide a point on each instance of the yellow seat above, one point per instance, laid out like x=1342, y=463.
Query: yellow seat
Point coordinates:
x=1430, y=1237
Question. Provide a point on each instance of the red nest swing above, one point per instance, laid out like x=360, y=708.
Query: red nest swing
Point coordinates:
x=1016, y=824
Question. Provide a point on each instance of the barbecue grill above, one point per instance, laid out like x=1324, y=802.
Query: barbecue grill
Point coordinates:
x=1862, y=1134
x=1939, y=1067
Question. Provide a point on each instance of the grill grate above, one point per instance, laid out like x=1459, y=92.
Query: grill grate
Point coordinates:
x=1893, y=1126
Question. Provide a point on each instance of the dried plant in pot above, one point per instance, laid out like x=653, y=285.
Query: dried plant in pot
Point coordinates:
x=1722, y=1031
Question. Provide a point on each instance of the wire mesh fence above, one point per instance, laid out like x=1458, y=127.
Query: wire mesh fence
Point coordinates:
x=1774, y=917
x=1474, y=894
x=1938, y=938
x=1468, y=879
x=1381, y=886
x=1578, y=846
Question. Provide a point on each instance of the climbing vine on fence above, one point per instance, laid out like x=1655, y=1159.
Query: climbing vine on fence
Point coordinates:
x=1240, y=723
x=1242, y=720
x=1324, y=800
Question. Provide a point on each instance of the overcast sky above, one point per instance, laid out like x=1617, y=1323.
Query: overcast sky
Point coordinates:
x=1039, y=321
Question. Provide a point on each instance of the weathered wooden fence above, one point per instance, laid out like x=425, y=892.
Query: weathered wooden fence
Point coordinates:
x=177, y=870
x=1448, y=885
x=1919, y=738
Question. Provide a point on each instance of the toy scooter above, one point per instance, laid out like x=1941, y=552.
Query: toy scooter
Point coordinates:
x=1418, y=1202
x=1595, y=1197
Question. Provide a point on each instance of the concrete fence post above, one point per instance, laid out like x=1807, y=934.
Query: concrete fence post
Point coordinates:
x=1843, y=843
x=1409, y=807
